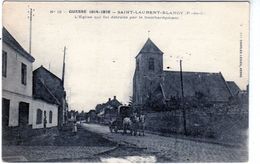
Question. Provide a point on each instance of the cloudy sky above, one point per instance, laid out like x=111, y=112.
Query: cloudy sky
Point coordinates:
x=101, y=52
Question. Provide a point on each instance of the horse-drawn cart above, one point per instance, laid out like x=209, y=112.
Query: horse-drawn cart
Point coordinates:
x=122, y=113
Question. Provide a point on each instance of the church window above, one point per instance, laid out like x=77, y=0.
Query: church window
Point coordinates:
x=151, y=64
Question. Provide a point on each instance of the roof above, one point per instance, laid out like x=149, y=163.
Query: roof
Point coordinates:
x=233, y=87
x=109, y=105
x=11, y=41
x=46, y=70
x=52, y=99
x=47, y=86
x=211, y=85
x=114, y=103
x=150, y=47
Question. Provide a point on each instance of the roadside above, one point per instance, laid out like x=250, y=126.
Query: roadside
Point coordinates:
x=174, y=149
x=85, y=146
x=58, y=147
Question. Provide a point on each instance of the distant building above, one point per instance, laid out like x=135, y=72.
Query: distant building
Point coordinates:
x=92, y=116
x=107, y=111
x=49, y=88
x=152, y=82
x=19, y=108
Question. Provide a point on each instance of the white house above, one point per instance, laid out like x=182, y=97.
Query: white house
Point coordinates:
x=19, y=108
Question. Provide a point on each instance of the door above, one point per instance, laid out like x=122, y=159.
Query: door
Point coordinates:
x=23, y=114
x=5, y=112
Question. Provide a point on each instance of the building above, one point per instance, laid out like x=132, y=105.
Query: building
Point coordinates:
x=107, y=111
x=235, y=90
x=19, y=108
x=92, y=116
x=151, y=82
x=49, y=88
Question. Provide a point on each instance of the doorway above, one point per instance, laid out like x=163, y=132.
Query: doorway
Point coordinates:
x=23, y=114
x=5, y=112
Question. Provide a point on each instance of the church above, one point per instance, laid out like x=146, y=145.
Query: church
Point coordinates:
x=150, y=81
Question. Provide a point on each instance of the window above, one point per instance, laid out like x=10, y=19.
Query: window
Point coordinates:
x=50, y=117
x=137, y=65
x=151, y=64
x=4, y=63
x=39, y=116
x=24, y=74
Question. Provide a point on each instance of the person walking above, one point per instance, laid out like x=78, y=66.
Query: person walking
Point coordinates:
x=74, y=129
x=142, y=122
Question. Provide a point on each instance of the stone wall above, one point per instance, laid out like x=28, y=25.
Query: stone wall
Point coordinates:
x=218, y=121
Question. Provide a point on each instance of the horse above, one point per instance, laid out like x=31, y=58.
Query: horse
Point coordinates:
x=141, y=124
x=135, y=124
x=131, y=124
x=127, y=125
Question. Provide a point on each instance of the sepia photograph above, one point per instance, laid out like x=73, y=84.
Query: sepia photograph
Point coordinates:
x=125, y=82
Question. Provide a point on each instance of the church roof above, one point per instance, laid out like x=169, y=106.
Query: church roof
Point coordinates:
x=211, y=85
x=150, y=47
x=233, y=87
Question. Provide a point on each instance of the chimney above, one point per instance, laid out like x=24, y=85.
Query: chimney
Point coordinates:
x=114, y=97
x=109, y=99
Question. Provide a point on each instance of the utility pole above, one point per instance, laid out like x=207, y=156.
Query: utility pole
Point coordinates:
x=30, y=29
x=182, y=101
x=63, y=68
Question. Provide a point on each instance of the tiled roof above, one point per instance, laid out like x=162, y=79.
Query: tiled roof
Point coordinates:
x=211, y=85
x=11, y=41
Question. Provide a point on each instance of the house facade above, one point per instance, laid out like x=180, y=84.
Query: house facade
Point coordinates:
x=151, y=82
x=49, y=88
x=19, y=108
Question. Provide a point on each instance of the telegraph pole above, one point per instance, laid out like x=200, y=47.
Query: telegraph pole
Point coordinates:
x=63, y=68
x=182, y=101
x=30, y=29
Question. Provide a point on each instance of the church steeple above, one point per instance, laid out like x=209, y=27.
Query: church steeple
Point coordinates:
x=149, y=70
x=150, y=47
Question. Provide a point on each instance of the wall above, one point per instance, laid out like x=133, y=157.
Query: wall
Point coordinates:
x=14, y=106
x=33, y=106
x=146, y=80
x=51, y=81
x=13, y=80
x=39, y=104
x=223, y=122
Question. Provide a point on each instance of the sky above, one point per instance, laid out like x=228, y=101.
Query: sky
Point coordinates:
x=100, y=56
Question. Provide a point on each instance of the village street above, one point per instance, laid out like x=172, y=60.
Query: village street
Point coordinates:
x=172, y=149
x=95, y=143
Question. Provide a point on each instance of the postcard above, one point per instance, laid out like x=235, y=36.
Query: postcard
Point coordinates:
x=125, y=81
